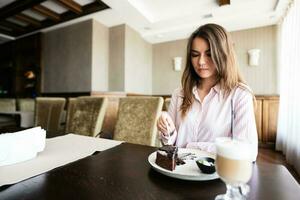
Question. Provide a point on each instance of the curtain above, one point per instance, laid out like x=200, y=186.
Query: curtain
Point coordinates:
x=288, y=131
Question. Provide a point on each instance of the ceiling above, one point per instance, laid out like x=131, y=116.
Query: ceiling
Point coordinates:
x=165, y=20
x=19, y=17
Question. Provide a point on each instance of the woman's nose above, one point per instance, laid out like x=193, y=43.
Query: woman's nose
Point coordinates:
x=202, y=60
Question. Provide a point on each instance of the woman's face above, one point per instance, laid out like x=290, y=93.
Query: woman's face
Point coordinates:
x=201, y=59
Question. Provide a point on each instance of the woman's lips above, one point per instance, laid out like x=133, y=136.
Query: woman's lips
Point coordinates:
x=202, y=68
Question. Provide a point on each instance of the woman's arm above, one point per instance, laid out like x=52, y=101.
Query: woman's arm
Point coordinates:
x=244, y=123
x=204, y=146
x=172, y=114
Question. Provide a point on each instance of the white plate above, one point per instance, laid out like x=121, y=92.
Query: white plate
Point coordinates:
x=188, y=171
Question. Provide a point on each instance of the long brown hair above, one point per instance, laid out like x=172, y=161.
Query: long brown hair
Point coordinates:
x=223, y=56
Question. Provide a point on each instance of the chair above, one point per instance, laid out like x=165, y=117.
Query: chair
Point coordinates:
x=48, y=111
x=137, y=119
x=167, y=104
x=25, y=104
x=85, y=115
x=110, y=117
x=7, y=105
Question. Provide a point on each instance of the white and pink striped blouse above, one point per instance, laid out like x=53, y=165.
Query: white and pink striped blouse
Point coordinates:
x=207, y=120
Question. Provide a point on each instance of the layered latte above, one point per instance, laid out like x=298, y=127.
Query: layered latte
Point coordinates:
x=233, y=162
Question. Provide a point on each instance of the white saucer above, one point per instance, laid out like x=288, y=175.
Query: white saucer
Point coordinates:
x=188, y=171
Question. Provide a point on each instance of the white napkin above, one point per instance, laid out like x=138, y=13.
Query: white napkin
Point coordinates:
x=21, y=146
x=59, y=151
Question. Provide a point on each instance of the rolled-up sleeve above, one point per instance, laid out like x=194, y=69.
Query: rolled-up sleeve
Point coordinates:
x=244, y=123
x=173, y=112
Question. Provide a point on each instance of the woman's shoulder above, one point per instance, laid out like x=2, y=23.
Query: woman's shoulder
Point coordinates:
x=243, y=91
x=178, y=92
x=244, y=88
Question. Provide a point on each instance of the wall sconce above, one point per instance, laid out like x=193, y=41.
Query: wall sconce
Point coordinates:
x=254, y=57
x=177, y=63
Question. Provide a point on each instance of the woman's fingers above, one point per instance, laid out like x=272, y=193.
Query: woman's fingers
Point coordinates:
x=170, y=125
x=161, y=127
x=165, y=124
x=164, y=132
x=163, y=120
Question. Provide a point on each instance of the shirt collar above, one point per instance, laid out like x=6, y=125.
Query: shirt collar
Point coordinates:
x=217, y=88
x=195, y=93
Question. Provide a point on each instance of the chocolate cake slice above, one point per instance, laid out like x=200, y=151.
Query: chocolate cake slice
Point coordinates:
x=166, y=157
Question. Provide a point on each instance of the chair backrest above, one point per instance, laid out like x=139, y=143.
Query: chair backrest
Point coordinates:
x=137, y=119
x=48, y=112
x=7, y=104
x=85, y=115
x=111, y=114
x=26, y=104
x=167, y=104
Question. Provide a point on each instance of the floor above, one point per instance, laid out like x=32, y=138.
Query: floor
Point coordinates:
x=272, y=156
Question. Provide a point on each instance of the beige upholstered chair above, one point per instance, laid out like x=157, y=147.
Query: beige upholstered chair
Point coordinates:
x=48, y=111
x=167, y=104
x=7, y=105
x=137, y=118
x=25, y=104
x=85, y=115
x=110, y=117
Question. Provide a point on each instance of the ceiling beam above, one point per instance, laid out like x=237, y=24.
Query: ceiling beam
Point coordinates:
x=5, y=28
x=5, y=31
x=87, y=9
x=17, y=7
x=66, y=16
x=71, y=5
x=11, y=25
x=46, y=12
x=28, y=19
x=224, y=2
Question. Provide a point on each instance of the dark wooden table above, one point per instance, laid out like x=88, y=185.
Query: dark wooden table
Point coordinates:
x=123, y=172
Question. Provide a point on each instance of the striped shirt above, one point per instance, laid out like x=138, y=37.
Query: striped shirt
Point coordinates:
x=211, y=118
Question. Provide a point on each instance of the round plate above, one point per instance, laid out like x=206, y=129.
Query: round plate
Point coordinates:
x=188, y=171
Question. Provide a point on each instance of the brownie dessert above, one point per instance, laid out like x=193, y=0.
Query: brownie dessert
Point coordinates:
x=166, y=157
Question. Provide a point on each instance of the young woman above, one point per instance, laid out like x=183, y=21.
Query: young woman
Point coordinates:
x=212, y=89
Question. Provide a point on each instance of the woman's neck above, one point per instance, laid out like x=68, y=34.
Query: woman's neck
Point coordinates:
x=204, y=87
x=206, y=84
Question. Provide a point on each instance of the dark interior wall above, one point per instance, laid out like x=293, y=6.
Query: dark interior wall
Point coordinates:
x=20, y=66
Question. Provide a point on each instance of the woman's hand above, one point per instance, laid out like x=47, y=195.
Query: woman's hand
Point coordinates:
x=165, y=124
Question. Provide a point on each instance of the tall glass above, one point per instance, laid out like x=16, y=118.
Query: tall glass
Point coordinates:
x=234, y=166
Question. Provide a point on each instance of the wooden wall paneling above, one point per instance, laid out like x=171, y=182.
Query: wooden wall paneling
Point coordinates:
x=270, y=115
x=258, y=118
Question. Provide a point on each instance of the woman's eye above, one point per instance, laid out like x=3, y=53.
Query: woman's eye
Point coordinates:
x=194, y=55
x=208, y=54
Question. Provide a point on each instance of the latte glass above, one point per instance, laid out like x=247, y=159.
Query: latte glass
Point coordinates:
x=234, y=166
